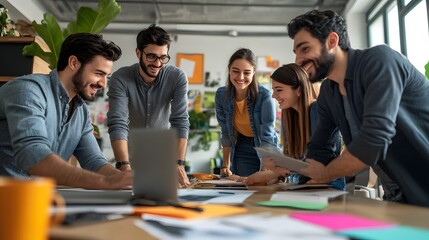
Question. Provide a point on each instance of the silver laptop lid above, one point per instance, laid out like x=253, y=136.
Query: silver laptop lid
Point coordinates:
x=152, y=156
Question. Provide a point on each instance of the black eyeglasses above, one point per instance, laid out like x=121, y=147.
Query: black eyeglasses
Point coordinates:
x=150, y=57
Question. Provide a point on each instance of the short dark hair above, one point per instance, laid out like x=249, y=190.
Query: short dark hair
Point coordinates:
x=153, y=35
x=248, y=55
x=85, y=46
x=320, y=24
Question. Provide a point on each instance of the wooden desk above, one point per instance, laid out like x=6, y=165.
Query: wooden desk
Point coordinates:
x=386, y=211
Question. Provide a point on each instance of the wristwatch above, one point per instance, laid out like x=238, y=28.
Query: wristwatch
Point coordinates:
x=181, y=162
x=120, y=164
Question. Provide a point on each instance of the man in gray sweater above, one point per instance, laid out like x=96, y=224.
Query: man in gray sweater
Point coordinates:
x=149, y=94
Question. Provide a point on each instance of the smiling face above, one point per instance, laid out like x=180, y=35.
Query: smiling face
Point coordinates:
x=150, y=69
x=92, y=77
x=312, y=55
x=241, y=74
x=286, y=96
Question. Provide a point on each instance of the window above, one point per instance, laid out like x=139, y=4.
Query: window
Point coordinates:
x=403, y=25
x=376, y=32
x=393, y=28
x=417, y=37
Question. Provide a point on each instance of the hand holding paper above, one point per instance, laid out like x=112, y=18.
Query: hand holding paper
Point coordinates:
x=315, y=171
x=279, y=159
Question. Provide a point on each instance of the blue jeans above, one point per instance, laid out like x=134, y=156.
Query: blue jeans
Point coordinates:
x=245, y=161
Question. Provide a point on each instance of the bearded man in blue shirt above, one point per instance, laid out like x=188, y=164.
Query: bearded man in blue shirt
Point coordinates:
x=44, y=119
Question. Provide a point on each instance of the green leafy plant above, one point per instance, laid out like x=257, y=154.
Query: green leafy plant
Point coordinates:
x=199, y=122
x=88, y=20
x=6, y=24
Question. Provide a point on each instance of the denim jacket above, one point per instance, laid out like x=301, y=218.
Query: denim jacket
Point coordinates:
x=261, y=113
x=35, y=122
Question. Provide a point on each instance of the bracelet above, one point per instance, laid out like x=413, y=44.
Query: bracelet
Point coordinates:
x=223, y=167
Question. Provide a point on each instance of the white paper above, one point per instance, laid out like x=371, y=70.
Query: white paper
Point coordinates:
x=280, y=159
x=222, y=182
x=188, y=66
x=320, y=193
x=248, y=227
x=299, y=198
x=217, y=196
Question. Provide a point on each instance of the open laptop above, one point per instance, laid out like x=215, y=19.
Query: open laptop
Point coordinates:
x=79, y=196
x=152, y=156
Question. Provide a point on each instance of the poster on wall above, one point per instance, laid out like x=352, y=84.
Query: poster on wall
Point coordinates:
x=193, y=65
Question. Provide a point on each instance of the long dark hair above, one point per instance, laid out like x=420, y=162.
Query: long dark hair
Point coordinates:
x=296, y=123
x=246, y=54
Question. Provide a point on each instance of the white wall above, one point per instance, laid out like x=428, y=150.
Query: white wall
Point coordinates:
x=216, y=49
x=357, y=30
x=355, y=15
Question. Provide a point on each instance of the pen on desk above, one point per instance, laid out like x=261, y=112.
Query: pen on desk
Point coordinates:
x=229, y=193
x=179, y=205
x=196, y=209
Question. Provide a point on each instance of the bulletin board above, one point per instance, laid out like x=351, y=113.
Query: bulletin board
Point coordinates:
x=193, y=65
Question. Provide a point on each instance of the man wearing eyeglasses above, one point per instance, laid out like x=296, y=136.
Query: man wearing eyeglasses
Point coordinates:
x=149, y=94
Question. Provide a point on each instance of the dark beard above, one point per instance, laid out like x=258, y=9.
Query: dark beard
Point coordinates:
x=79, y=85
x=325, y=63
x=144, y=68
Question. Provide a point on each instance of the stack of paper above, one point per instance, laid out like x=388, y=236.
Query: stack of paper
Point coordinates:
x=316, y=200
x=247, y=227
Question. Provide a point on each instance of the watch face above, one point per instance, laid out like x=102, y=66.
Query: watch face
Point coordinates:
x=118, y=165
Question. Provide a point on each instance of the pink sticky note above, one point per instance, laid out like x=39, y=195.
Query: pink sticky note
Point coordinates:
x=339, y=221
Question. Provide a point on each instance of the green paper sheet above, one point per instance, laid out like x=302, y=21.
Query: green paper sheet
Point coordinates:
x=399, y=232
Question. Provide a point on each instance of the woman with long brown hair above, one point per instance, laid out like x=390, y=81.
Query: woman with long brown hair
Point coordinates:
x=246, y=113
x=297, y=100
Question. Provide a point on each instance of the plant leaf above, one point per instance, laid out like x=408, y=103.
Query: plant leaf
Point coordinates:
x=35, y=50
x=50, y=31
x=88, y=20
x=94, y=21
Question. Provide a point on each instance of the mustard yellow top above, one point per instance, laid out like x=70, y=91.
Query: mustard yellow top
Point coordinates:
x=242, y=119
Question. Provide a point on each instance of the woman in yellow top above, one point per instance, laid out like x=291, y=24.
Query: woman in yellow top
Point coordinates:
x=246, y=114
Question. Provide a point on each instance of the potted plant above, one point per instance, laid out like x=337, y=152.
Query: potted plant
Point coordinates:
x=199, y=122
x=12, y=62
x=6, y=24
x=88, y=20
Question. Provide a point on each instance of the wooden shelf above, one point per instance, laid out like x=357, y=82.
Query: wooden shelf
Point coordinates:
x=14, y=64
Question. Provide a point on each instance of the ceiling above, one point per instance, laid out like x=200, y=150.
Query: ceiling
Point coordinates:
x=207, y=17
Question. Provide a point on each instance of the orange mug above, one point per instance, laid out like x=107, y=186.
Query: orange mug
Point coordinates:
x=25, y=208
